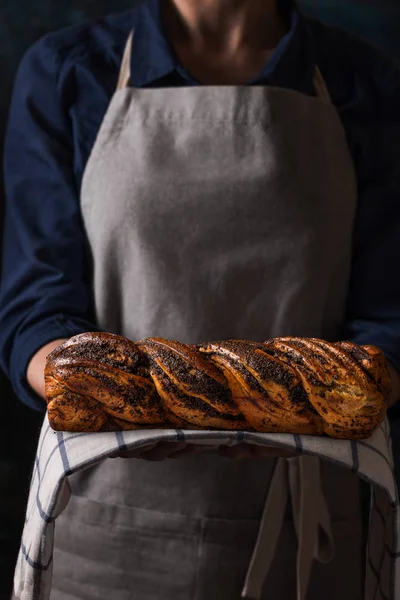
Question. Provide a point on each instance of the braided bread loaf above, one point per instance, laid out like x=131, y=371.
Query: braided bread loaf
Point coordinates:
x=104, y=382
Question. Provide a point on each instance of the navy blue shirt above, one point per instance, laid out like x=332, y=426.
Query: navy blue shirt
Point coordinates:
x=62, y=91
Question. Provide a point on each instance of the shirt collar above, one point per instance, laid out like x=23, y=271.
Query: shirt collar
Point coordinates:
x=291, y=65
x=153, y=57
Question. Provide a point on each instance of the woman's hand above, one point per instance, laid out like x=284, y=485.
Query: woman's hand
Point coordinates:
x=251, y=451
x=35, y=371
x=163, y=450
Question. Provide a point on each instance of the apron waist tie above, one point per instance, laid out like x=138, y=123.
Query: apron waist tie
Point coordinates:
x=300, y=477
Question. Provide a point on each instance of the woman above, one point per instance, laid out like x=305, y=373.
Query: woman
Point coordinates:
x=242, y=182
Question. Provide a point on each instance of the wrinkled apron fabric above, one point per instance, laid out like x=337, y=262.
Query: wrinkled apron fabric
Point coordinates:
x=213, y=213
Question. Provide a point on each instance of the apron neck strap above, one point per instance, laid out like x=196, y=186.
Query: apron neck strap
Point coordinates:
x=125, y=73
x=320, y=87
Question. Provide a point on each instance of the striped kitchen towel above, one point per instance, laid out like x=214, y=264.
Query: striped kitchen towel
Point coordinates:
x=59, y=455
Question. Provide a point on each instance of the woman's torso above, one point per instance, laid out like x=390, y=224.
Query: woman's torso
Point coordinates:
x=216, y=214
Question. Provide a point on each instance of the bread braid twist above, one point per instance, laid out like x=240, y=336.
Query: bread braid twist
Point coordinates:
x=104, y=382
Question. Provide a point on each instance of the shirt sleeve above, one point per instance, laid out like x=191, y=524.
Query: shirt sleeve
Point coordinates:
x=373, y=126
x=45, y=291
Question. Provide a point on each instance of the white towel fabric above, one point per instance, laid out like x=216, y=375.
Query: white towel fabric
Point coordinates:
x=61, y=454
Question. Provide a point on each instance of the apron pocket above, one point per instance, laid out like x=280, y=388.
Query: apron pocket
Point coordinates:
x=124, y=553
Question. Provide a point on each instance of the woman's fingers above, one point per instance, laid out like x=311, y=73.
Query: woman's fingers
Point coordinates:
x=239, y=451
x=163, y=450
x=190, y=449
x=250, y=451
x=262, y=452
x=133, y=453
x=153, y=452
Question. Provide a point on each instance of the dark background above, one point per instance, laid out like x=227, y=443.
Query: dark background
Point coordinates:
x=21, y=23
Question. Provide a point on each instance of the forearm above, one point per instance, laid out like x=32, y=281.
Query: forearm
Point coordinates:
x=35, y=371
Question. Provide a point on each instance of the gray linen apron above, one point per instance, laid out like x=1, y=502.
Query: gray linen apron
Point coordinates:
x=212, y=213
